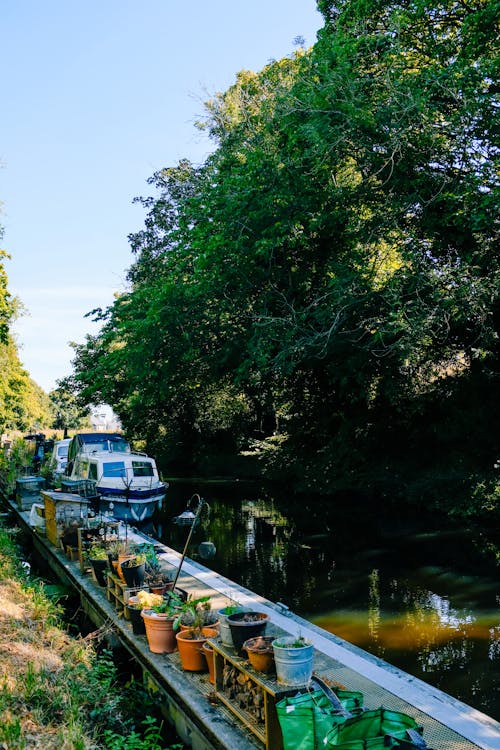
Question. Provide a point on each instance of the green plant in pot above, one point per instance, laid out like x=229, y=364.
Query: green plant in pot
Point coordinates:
x=170, y=606
x=97, y=552
x=158, y=579
x=190, y=641
x=224, y=630
x=98, y=557
x=134, y=568
x=293, y=657
x=159, y=622
x=196, y=614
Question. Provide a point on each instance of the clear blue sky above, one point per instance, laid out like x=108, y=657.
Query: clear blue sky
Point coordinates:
x=95, y=97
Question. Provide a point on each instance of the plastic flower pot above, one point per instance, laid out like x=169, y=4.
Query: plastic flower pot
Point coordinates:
x=136, y=619
x=245, y=625
x=99, y=567
x=159, y=631
x=133, y=572
x=224, y=629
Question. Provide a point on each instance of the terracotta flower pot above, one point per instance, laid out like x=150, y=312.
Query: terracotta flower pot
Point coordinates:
x=191, y=649
x=159, y=632
x=260, y=653
x=209, y=656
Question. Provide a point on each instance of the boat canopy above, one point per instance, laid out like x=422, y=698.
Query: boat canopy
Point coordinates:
x=93, y=442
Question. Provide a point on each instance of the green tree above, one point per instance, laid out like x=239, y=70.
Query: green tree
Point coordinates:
x=66, y=413
x=330, y=274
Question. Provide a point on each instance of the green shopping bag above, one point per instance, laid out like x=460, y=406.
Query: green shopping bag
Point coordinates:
x=374, y=730
x=306, y=718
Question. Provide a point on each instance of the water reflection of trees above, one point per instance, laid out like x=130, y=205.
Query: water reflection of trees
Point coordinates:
x=400, y=594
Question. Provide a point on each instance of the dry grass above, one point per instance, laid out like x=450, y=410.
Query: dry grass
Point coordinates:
x=55, y=692
x=35, y=656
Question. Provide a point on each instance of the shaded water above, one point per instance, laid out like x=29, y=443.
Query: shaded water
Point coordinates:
x=423, y=598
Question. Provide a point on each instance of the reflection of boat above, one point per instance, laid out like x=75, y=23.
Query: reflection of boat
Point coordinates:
x=126, y=483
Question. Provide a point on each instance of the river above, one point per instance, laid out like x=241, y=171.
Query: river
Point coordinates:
x=422, y=595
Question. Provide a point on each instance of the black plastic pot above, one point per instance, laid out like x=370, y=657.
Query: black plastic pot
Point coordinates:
x=100, y=567
x=245, y=625
x=133, y=574
x=136, y=620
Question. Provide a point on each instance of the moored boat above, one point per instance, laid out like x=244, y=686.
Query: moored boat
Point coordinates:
x=126, y=483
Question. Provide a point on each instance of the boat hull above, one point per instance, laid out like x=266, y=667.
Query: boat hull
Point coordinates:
x=135, y=508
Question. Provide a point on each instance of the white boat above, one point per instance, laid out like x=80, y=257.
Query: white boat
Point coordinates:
x=126, y=484
x=59, y=459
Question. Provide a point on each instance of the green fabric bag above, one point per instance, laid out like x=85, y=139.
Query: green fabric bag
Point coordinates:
x=374, y=730
x=306, y=718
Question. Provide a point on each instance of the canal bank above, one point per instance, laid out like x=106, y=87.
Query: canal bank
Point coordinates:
x=205, y=722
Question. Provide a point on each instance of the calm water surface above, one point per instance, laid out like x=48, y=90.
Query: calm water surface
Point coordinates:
x=422, y=598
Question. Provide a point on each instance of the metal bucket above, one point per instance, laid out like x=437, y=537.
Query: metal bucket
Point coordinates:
x=294, y=665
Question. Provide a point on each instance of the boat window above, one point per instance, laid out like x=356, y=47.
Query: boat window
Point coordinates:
x=107, y=445
x=62, y=451
x=119, y=446
x=114, y=469
x=93, y=472
x=142, y=469
x=82, y=468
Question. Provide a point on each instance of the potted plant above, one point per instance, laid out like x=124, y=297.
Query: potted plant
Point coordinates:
x=245, y=625
x=133, y=569
x=158, y=580
x=190, y=641
x=293, y=656
x=260, y=653
x=196, y=613
x=159, y=622
x=118, y=552
x=136, y=604
x=98, y=558
x=224, y=629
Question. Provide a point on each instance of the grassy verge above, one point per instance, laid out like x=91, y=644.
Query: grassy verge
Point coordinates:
x=56, y=691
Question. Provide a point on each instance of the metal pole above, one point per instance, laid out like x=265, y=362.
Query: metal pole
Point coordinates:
x=201, y=503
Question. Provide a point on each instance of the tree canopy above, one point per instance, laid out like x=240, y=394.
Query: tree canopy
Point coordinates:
x=323, y=290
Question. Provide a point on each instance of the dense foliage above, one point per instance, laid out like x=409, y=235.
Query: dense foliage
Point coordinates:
x=323, y=290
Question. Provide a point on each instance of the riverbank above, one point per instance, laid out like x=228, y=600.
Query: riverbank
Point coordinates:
x=188, y=706
x=59, y=692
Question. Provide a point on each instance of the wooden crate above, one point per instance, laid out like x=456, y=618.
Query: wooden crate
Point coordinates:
x=119, y=593
x=234, y=678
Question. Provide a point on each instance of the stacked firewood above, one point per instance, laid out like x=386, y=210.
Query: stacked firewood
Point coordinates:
x=242, y=690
